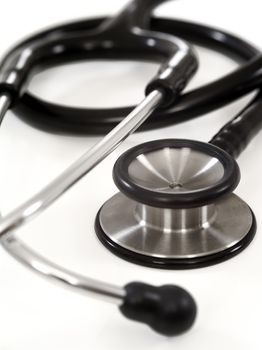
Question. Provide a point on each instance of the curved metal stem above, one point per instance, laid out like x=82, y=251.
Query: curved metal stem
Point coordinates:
x=60, y=185
x=60, y=275
x=82, y=166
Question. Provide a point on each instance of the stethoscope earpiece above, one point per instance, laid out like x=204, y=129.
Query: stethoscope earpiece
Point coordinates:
x=176, y=208
x=169, y=310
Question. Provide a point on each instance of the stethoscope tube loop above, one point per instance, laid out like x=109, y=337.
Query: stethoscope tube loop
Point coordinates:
x=178, y=62
x=57, y=118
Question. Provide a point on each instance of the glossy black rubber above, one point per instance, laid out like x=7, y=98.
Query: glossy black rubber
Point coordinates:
x=123, y=36
x=236, y=135
x=62, y=119
x=169, y=310
x=175, y=264
x=180, y=200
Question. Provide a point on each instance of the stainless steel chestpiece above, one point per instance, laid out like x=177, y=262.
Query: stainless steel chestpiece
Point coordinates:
x=176, y=208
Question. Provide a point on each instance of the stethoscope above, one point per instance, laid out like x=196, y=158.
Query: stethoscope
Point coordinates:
x=176, y=208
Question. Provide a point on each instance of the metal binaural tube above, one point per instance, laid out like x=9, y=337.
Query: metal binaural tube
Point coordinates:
x=5, y=102
x=55, y=189
x=82, y=166
x=60, y=275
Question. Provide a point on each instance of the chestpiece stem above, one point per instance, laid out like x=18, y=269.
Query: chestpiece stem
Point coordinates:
x=175, y=220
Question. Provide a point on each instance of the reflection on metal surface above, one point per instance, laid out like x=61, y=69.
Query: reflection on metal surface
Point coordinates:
x=5, y=102
x=175, y=233
x=173, y=170
x=60, y=275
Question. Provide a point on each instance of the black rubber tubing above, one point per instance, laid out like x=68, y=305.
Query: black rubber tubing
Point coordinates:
x=62, y=119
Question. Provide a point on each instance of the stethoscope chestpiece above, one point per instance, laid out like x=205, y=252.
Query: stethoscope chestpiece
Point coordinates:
x=176, y=208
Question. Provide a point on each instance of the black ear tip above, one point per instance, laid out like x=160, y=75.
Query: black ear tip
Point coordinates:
x=169, y=310
x=177, y=310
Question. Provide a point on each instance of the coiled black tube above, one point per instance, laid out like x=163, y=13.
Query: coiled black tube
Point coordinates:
x=62, y=119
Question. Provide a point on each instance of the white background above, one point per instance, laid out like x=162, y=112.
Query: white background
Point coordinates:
x=35, y=314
